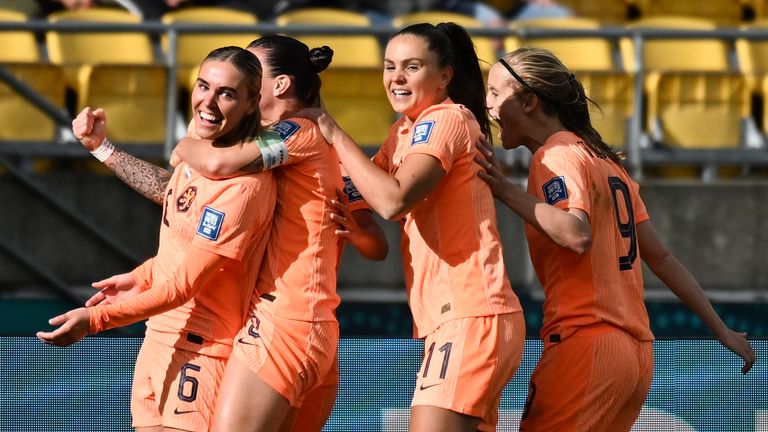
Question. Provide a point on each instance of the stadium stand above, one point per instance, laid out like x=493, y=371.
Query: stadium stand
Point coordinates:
x=483, y=45
x=191, y=48
x=21, y=58
x=723, y=12
x=114, y=70
x=608, y=12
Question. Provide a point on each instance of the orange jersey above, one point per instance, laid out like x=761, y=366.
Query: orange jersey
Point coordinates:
x=605, y=284
x=450, y=242
x=300, y=267
x=230, y=218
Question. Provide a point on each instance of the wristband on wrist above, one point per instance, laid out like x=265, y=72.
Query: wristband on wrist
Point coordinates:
x=273, y=150
x=104, y=151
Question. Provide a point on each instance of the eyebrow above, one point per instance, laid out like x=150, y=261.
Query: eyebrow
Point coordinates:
x=225, y=88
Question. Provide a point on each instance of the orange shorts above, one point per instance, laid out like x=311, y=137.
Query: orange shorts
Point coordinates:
x=595, y=380
x=174, y=388
x=293, y=357
x=467, y=363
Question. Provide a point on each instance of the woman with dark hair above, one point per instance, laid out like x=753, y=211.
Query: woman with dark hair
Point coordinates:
x=586, y=227
x=285, y=356
x=213, y=234
x=424, y=177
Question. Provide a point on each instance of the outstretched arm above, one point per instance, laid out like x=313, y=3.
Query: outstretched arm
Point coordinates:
x=90, y=127
x=194, y=272
x=682, y=283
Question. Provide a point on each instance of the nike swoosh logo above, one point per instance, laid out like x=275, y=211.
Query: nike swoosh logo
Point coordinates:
x=177, y=411
x=423, y=387
x=244, y=342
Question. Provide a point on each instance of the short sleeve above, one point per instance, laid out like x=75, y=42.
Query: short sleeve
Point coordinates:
x=442, y=133
x=228, y=221
x=559, y=179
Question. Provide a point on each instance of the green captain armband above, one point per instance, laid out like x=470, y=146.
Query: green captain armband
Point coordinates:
x=273, y=150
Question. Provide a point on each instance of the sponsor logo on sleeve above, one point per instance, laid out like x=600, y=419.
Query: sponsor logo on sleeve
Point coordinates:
x=351, y=191
x=554, y=190
x=286, y=128
x=210, y=223
x=422, y=131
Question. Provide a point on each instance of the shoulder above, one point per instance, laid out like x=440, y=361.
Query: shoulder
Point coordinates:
x=294, y=127
x=446, y=111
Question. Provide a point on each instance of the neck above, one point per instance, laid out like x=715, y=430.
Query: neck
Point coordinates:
x=540, y=131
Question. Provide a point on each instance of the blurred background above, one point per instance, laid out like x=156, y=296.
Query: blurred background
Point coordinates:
x=681, y=86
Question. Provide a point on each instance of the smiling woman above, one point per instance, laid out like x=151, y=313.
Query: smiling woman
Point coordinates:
x=424, y=177
x=213, y=235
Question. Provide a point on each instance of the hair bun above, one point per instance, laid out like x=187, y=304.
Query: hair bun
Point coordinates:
x=320, y=58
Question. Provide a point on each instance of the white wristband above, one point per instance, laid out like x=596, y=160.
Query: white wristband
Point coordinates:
x=104, y=151
x=273, y=150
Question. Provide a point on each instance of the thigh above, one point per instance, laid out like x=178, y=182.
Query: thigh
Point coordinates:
x=467, y=363
x=583, y=383
x=248, y=403
x=318, y=403
x=176, y=389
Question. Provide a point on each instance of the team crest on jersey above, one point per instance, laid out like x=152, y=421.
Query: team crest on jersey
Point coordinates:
x=184, y=202
x=210, y=223
x=422, y=131
x=351, y=191
x=554, y=190
x=286, y=128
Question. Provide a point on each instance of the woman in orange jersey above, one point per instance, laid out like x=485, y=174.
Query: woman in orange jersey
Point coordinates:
x=586, y=227
x=424, y=177
x=285, y=356
x=213, y=235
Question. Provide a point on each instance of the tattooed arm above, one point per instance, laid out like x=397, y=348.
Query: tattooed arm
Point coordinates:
x=145, y=178
x=150, y=180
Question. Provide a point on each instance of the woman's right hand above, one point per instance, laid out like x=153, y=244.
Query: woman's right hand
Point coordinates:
x=90, y=127
x=323, y=119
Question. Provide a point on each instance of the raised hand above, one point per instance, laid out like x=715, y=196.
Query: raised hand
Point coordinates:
x=90, y=127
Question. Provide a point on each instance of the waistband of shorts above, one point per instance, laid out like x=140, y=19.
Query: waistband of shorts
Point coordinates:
x=596, y=329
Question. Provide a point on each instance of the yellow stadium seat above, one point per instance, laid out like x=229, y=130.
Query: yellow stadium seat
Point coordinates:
x=484, y=46
x=699, y=109
x=752, y=55
x=113, y=70
x=699, y=54
x=577, y=53
x=133, y=97
x=357, y=100
x=604, y=11
x=723, y=12
x=348, y=50
x=74, y=49
x=192, y=48
x=18, y=46
x=614, y=94
x=28, y=123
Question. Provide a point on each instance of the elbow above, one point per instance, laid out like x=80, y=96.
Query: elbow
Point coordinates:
x=579, y=244
x=393, y=212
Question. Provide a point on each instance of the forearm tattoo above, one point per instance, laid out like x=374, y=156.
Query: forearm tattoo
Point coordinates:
x=145, y=178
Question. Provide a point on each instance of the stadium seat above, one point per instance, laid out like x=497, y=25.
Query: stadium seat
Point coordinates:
x=18, y=46
x=614, y=93
x=114, y=70
x=133, y=97
x=723, y=12
x=752, y=54
x=700, y=109
x=578, y=53
x=192, y=48
x=28, y=122
x=357, y=100
x=483, y=45
x=348, y=50
x=604, y=11
x=20, y=56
